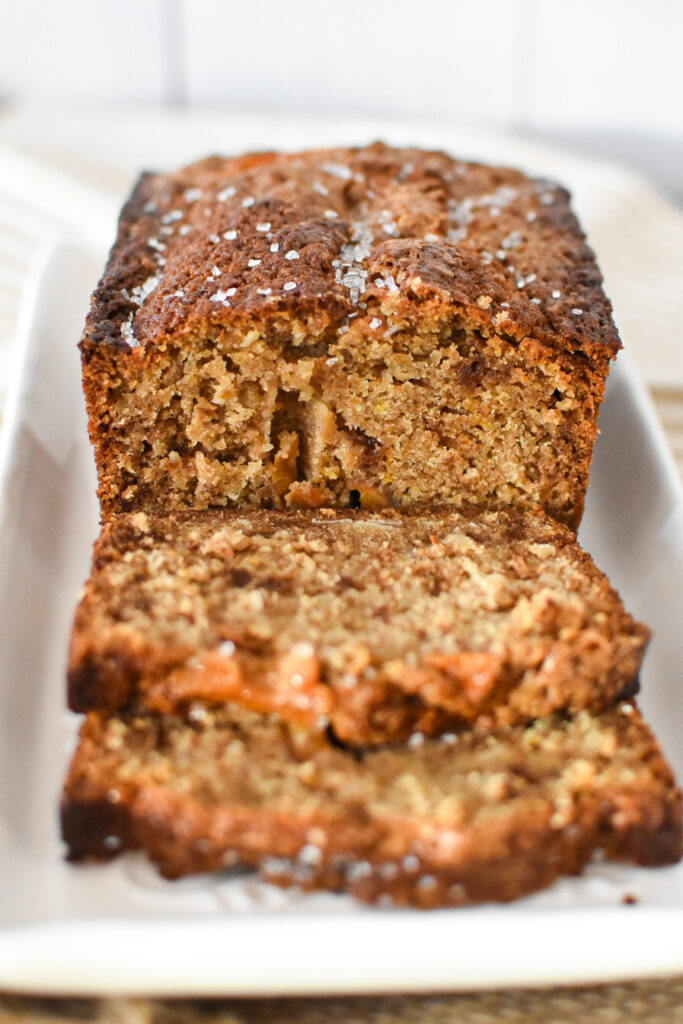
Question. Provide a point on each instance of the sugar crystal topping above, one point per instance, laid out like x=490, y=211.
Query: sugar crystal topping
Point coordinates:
x=172, y=215
x=127, y=332
x=512, y=240
x=310, y=854
x=141, y=291
x=337, y=170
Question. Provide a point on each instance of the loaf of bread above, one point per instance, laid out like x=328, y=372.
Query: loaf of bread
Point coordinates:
x=380, y=625
x=458, y=820
x=356, y=327
x=338, y=627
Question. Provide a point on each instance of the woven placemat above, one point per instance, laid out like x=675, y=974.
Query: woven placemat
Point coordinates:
x=643, y=1002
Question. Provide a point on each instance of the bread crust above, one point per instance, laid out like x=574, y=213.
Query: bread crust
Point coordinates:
x=393, y=826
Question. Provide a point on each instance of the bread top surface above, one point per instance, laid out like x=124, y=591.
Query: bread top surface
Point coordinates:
x=305, y=243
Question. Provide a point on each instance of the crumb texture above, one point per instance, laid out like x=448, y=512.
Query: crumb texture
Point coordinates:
x=379, y=624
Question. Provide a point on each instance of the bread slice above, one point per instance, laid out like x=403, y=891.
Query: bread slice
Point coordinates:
x=457, y=820
x=378, y=624
x=350, y=327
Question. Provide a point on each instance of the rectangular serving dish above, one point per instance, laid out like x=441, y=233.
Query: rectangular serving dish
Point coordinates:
x=119, y=928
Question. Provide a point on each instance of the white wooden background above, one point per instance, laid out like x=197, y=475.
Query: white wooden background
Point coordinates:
x=533, y=65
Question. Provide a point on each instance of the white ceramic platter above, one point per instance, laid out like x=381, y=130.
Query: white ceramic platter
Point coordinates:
x=119, y=928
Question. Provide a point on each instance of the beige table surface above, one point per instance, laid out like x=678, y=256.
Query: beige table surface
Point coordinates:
x=642, y=1002
x=638, y=1003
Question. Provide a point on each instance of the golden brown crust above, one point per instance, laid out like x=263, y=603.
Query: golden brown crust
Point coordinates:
x=381, y=624
x=445, y=824
x=443, y=228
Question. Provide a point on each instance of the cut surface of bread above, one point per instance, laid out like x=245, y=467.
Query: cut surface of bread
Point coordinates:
x=355, y=327
x=379, y=625
x=454, y=821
